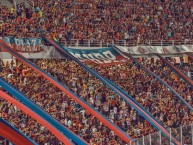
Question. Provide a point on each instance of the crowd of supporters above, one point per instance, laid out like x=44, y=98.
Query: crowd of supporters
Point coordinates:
x=150, y=93
x=146, y=90
x=104, y=20
x=59, y=105
x=26, y=124
x=177, y=83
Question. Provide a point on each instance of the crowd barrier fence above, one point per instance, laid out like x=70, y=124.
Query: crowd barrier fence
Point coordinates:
x=183, y=133
x=125, y=43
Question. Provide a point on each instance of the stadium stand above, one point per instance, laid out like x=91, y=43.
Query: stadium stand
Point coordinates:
x=95, y=93
x=26, y=124
x=139, y=22
x=88, y=127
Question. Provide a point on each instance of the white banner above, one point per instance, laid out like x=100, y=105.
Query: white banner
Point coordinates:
x=141, y=50
x=104, y=55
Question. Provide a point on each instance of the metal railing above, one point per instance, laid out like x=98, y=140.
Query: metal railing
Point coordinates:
x=31, y=3
x=125, y=43
x=184, y=134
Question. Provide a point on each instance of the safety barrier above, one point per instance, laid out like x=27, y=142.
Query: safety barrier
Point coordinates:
x=183, y=133
x=12, y=134
x=125, y=43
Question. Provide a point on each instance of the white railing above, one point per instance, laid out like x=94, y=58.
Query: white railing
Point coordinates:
x=126, y=43
x=183, y=134
x=31, y=3
x=15, y=5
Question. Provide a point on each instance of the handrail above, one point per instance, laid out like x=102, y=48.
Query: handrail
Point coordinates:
x=182, y=136
x=64, y=89
x=15, y=136
x=125, y=43
x=31, y=2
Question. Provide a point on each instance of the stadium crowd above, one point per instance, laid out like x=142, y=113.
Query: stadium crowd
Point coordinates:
x=104, y=20
x=169, y=76
x=59, y=105
x=154, y=97
x=140, y=86
x=26, y=124
x=151, y=94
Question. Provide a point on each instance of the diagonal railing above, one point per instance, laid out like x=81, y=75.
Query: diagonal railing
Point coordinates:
x=14, y=135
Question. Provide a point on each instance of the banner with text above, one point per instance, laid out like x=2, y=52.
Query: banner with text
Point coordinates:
x=29, y=45
x=32, y=48
x=98, y=55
